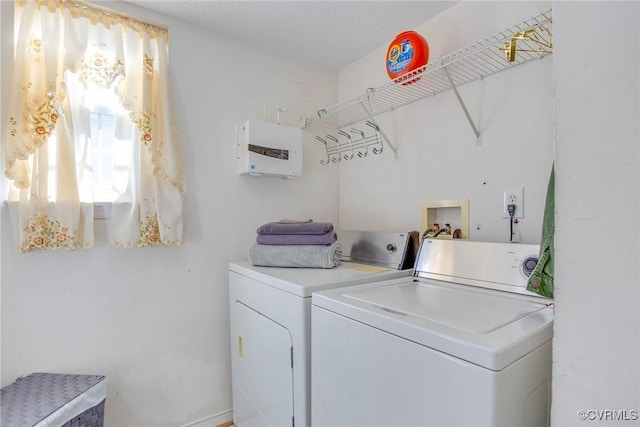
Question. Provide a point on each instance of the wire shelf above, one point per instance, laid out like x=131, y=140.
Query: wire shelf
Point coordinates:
x=522, y=43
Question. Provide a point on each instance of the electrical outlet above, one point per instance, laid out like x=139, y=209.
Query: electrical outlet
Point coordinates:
x=514, y=196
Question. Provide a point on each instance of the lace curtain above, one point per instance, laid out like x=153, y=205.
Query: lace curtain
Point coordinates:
x=66, y=55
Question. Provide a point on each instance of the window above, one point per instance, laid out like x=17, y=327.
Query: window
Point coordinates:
x=96, y=133
x=103, y=160
x=101, y=152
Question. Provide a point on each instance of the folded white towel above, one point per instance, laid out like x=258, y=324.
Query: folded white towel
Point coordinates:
x=302, y=256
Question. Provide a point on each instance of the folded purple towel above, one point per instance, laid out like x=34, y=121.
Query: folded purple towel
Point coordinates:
x=296, y=228
x=297, y=239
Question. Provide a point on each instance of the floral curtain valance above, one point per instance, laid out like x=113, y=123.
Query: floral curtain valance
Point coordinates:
x=69, y=57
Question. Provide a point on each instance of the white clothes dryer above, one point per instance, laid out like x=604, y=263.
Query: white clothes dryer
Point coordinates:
x=460, y=343
x=270, y=316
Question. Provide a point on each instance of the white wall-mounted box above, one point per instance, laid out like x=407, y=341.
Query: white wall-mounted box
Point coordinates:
x=269, y=149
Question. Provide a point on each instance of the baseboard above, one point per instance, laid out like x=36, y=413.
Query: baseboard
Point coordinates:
x=221, y=419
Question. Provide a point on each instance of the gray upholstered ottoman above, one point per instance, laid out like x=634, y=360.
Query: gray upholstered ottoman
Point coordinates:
x=54, y=400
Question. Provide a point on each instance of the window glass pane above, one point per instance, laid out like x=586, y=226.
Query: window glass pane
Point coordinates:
x=106, y=166
x=102, y=121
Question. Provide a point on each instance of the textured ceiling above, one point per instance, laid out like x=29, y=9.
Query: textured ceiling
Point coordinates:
x=331, y=33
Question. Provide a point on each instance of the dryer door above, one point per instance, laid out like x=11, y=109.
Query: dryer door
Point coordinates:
x=262, y=370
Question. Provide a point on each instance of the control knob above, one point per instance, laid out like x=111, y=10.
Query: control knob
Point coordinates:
x=529, y=264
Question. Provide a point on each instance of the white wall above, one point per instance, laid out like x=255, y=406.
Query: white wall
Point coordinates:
x=437, y=155
x=155, y=320
x=596, y=342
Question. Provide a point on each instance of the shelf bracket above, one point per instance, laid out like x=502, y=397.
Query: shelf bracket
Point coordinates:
x=367, y=108
x=464, y=107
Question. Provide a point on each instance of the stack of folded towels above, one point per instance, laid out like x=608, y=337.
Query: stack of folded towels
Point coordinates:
x=293, y=243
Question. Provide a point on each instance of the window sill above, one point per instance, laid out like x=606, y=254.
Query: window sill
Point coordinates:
x=101, y=210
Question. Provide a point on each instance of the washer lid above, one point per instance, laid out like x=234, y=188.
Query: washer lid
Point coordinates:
x=485, y=327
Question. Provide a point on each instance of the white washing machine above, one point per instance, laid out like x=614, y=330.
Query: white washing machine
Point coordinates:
x=460, y=343
x=270, y=314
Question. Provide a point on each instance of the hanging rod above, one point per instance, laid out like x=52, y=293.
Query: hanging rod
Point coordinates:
x=367, y=108
x=350, y=146
x=474, y=62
